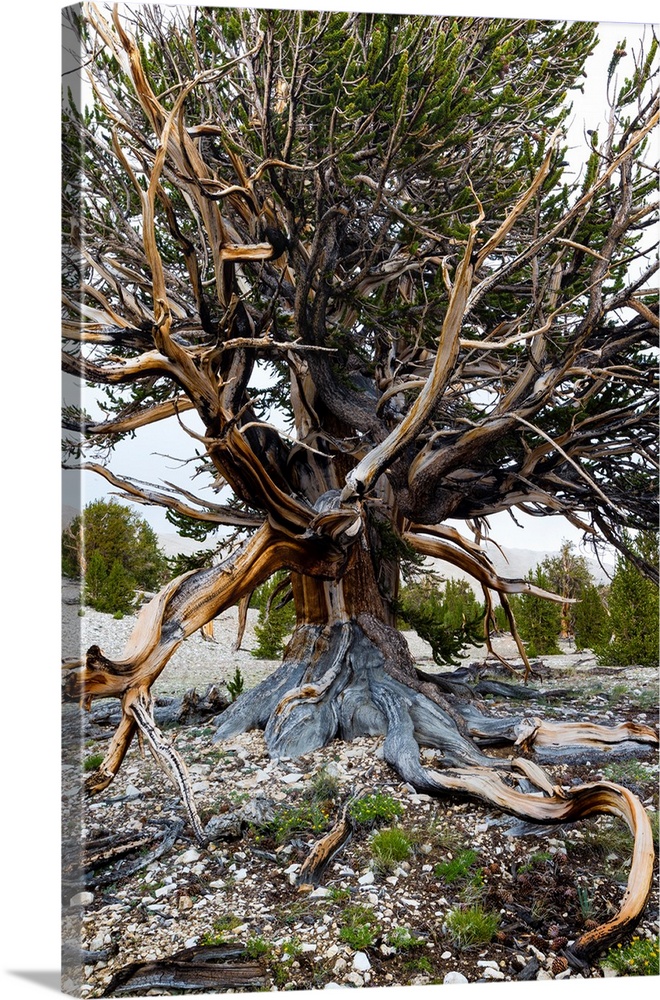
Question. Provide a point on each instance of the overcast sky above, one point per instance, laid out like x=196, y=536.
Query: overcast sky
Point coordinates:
x=159, y=452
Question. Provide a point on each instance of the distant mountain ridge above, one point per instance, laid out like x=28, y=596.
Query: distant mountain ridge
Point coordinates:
x=520, y=563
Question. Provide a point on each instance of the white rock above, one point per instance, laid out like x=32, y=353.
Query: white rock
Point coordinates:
x=490, y=973
x=355, y=978
x=319, y=893
x=165, y=890
x=542, y=974
x=191, y=942
x=564, y=975
x=483, y=964
x=367, y=879
x=82, y=899
x=446, y=955
x=361, y=961
x=132, y=792
x=340, y=966
x=332, y=951
x=306, y=945
x=240, y=874
x=188, y=857
x=200, y=786
x=333, y=986
x=454, y=977
x=290, y=779
x=609, y=973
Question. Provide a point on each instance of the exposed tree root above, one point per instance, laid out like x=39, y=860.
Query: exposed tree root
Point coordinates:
x=339, y=681
x=355, y=677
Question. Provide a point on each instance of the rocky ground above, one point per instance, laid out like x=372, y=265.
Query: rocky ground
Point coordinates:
x=373, y=921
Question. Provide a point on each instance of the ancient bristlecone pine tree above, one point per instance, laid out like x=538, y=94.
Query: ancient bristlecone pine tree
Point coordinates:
x=376, y=211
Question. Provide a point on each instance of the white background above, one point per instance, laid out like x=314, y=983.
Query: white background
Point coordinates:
x=30, y=33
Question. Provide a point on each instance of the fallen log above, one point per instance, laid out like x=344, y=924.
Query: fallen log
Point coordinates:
x=207, y=967
x=191, y=708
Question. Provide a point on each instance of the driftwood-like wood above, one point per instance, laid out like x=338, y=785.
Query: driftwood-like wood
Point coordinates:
x=207, y=967
x=328, y=847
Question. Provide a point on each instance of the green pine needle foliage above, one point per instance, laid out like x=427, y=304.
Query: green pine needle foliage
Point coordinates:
x=449, y=619
x=633, y=610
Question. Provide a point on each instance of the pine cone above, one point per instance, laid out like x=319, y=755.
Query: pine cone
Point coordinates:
x=559, y=965
x=538, y=942
x=558, y=943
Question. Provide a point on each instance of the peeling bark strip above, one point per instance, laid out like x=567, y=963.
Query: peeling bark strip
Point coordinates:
x=170, y=760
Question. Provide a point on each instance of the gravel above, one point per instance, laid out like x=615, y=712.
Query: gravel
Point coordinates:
x=245, y=889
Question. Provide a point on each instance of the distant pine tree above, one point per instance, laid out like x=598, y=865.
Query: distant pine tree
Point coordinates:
x=539, y=621
x=633, y=609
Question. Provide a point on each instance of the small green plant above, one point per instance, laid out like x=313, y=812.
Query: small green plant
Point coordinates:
x=609, y=842
x=371, y=809
x=639, y=958
x=626, y=771
x=388, y=847
x=537, y=859
x=471, y=925
x=292, y=948
x=617, y=693
x=290, y=820
x=221, y=927
x=236, y=685
x=118, y=615
x=585, y=903
x=338, y=895
x=81, y=612
x=359, y=927
x=280, y=970
x=457, y=868
x=473, y=889
x=256, y=947
x=324, y=786
x=420, y=964
x=92, y=762
x=443, y=838
x=402, y=939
